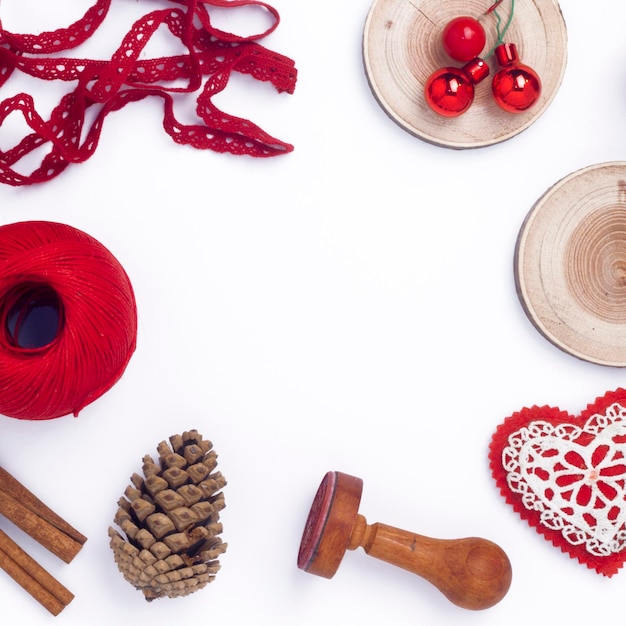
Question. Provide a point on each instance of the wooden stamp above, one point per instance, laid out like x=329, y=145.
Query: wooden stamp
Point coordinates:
x=472, y=573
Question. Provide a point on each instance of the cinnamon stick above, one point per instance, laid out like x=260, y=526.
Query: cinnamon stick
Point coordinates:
x=27, y=512
x=33, y=578
x=39, y=529
x=11, y=486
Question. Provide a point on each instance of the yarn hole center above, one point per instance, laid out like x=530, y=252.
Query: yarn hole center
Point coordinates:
x=34, y=316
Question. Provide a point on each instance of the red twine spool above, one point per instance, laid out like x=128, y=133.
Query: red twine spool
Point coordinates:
x=68, y=320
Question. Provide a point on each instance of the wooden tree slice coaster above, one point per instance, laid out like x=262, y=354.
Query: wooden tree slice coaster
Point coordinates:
x=402, y=48
x=570, y=264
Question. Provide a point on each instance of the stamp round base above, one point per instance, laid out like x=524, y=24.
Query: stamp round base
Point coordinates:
x=402, y=48
x=570, y=264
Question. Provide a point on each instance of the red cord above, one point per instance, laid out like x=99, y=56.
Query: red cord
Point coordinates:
x=211, y=56
x=96, y=333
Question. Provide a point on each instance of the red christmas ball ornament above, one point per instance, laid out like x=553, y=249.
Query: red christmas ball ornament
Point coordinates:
x=450, y=90
x=516, y=87
x=464, y=38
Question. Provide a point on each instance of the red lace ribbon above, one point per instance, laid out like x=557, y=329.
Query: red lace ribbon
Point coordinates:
x=210, y=58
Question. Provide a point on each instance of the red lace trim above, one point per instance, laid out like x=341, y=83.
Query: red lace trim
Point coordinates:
x=211, y=56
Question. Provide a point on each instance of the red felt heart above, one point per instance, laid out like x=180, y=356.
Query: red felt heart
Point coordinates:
x=566, y=476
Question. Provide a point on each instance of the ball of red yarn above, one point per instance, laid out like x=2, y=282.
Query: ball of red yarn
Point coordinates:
x=68, y=320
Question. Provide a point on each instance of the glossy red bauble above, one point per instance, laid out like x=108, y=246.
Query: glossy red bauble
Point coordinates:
x=463, y=38
x=516, y=87
x=450, y=90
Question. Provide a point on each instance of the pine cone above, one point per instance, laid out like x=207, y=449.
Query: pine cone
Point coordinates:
x=170, y=519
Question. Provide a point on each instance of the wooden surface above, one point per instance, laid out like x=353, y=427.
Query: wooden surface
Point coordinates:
x=570, y=264
x=402, y=47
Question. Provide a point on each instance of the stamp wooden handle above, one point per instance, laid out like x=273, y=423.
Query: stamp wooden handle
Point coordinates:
x=472, y=573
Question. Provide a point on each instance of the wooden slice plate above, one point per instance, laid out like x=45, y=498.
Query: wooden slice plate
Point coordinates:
x=402, y=48
x=570, y=264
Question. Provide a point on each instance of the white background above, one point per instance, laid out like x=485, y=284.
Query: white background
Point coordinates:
x=350, y=306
